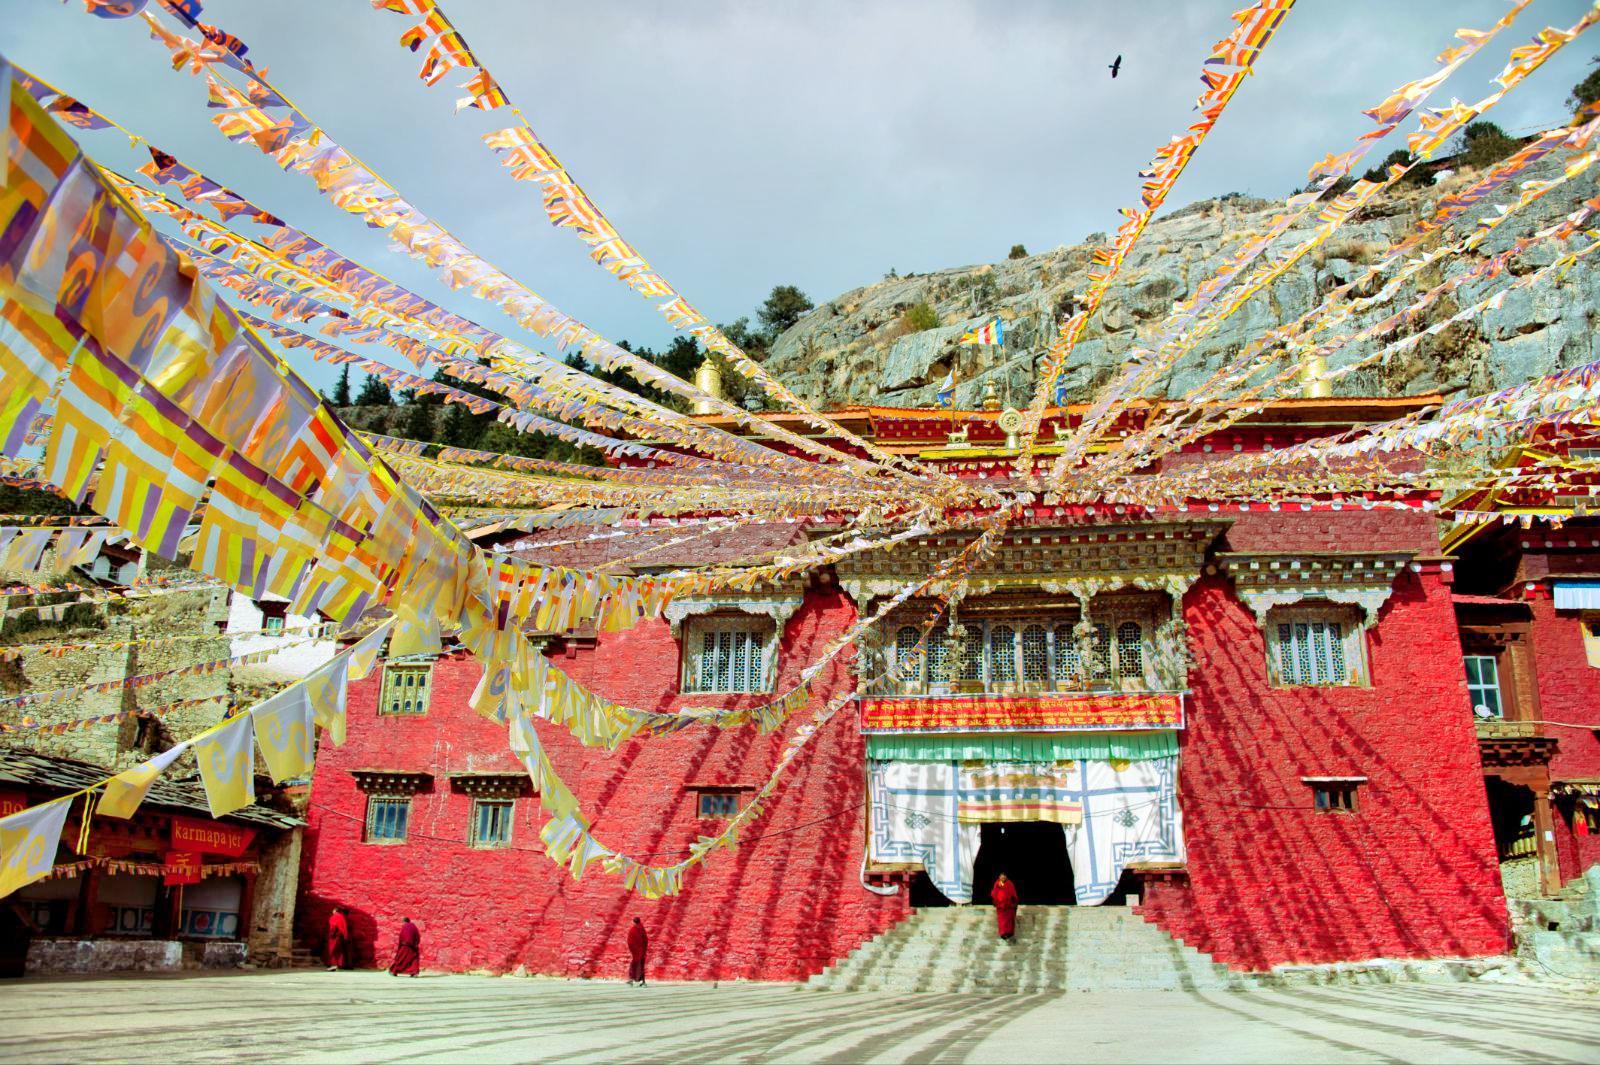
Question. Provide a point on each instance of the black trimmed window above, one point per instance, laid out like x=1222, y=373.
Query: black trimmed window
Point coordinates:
x=491, y=822
x=1315, y=647
x=388, y=817
x=716, y=802
x=729, y=654
x=1334, y=794
x=406, y=687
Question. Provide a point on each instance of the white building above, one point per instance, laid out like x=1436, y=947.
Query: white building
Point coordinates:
x=266, y=625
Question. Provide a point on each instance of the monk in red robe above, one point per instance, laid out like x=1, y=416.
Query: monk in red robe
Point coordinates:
x=638, y=942
x=1004, y=897
x=338, y=940
x=407, y=951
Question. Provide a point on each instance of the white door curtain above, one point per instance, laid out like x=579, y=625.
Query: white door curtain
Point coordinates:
x=1112, y=811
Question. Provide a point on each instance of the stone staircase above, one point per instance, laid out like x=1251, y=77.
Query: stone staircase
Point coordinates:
x=1561, y=935
x=1057, y=948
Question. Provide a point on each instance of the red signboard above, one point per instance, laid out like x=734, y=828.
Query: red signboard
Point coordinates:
x=182, y=867
x=12, y=802
x=1033, y=713
x=210, y=837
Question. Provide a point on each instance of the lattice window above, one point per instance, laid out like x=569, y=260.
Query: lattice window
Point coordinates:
x=729, y=655
x=491, y=822
x=938, y=657
x=1002, y=654
x=1315, y=647
x=1483, y=686
x=972, y=654
x=1035, y=655
x=405, y=688
x=907, y=669
x=387, y=819
x=1100, y=652
x=1130, y=649
x=1068, y=660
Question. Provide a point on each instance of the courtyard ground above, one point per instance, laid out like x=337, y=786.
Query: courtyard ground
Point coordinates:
x=313, y=1016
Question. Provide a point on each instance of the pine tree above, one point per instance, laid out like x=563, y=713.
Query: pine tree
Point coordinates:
x=341, y=391
x=418, y=423
x=374, y=393
x=458, y=429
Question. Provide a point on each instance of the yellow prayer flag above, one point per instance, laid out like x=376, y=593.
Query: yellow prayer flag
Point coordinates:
x=227, y=766
x=28, y=843
x=125, y=791
x=284, y=733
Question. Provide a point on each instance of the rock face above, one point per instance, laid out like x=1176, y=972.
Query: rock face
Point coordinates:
x=857, y=347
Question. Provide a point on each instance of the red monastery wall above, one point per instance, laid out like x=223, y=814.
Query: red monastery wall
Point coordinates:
x=782, y=906
x=1412, y=873
x=1569, y=693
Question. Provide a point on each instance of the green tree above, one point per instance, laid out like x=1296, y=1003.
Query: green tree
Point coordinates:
x=920, y=317
x=374, y=393
x=1484, y=144
x=783, y=308
x=457, y=429
x=753, y=341
x=1017, y=252
x=419, y=422
x=341, y=388
x=1586, y=91
x=1418, y=178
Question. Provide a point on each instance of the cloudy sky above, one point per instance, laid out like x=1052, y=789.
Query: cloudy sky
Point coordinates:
x=818, y=143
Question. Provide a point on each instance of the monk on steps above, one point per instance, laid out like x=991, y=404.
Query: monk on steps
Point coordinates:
x=1004, y=897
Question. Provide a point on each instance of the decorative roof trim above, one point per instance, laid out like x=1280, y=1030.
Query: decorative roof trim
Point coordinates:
x=1268, y=579
x=779, y=606
x=396, y=782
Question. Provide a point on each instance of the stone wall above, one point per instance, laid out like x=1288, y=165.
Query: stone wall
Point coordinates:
x=270, y=933
x=1569, y=693
x=47, y=957
x=783, y=906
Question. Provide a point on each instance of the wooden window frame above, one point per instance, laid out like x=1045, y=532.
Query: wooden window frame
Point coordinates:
x=474, y=823
x=762, y=634
x=1335, y=795
x=1352, y=642
x=1501, y=703
x=392, y=672
x=729, y=796
x=373, y=802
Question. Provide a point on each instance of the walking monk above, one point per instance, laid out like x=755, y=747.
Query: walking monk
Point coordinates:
x=407, y=951
x=638, y=941
x=1004, y=897
x=338, y=940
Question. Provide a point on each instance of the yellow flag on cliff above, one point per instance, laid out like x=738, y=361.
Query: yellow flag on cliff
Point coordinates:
x=125, y=791
x=28, y=843
x=227, y=766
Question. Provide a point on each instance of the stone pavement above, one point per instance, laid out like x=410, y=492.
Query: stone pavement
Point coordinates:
x=313, y=1016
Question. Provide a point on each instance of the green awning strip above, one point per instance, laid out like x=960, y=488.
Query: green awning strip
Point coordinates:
x=1023, y=747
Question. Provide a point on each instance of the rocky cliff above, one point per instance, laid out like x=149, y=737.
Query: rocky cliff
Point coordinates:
x=859, y=348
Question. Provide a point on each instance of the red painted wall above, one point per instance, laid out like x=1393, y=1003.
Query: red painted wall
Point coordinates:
x=1569, y=693
x=783, y=906
x=1272, y=880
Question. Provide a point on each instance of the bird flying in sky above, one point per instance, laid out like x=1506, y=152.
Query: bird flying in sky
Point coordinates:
x=1116, y=66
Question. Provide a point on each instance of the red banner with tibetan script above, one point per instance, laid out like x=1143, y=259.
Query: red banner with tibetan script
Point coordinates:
x=1032, y=713
x=210, y=837
x=182, y=867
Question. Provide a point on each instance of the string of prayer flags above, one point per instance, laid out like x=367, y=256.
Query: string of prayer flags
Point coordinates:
x=992, y=332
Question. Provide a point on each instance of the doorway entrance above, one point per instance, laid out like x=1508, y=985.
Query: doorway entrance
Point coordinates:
x=1033, y=854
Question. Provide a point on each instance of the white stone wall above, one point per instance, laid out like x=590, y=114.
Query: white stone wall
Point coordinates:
x=293, y=659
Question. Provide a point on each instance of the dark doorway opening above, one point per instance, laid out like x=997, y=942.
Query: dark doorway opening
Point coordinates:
x=1511, y=813
x=1033, y=854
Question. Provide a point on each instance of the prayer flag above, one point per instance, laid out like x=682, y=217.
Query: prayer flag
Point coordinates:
x=947, y=389
x=989, y=333
x=126, y=791
x=28, y=842
x=227, y=766
x=284, y=733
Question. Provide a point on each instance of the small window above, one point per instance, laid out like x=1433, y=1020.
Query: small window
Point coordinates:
x=938, y=657
x=1035, y=655
x=491, y=822
x=907, y=663
x=972, y=655
x=728, y=655
x=1334, y=795
x=1100, y=652
x=405, y=688
x=1319, y=648
x=1130, y=649
x=1068, y=662
x=272, y=624
x=1591, y=640
x=386, y=819
x=718, y=803
x=1483, y=686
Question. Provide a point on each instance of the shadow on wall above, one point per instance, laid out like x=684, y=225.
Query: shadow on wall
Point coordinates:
x=1273, y=880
